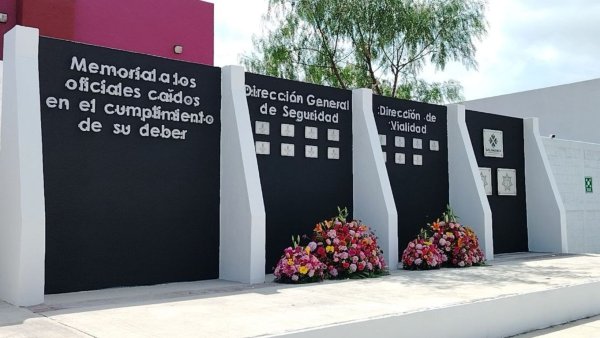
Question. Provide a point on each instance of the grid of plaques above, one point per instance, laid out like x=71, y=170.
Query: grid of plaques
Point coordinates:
x=396, y=148
x=292, y=131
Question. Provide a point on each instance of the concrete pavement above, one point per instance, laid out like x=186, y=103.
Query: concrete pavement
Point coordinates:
x=413, y=298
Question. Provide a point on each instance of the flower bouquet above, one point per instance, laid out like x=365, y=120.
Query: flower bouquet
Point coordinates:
x=299, y=265
x=421, y=254
x=348, y=249
x=457, y=243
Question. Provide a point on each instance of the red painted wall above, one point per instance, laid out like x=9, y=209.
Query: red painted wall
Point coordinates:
x=145, y=26
x=8, y=7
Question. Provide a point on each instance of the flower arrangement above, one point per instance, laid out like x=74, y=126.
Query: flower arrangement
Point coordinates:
x=348, y=249
x=457, y=243
x=299, y=265
x=421, y=254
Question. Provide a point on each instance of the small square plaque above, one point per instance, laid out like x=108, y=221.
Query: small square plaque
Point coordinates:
x=382, y=140
x=263, y=148
x=486, y=179
x=417, y=159
x=493, y=143
x=417, y=143
x=588, y=185
x=262, y=128
x=333, y=135
x=400, y=158
x=311, y=133
x=333, y=153
x=287, y=149
x=287, y=130
x=311, y=151
x=399, y=141
x=434, y=145
x=507, y=182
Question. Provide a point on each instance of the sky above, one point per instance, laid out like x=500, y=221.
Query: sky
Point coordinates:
x=530, y=44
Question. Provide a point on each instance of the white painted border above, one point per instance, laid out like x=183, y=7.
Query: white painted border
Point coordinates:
x=373, y=198
x=22, y=206
x=546, y=216
x=242, y=211
x=467, y=194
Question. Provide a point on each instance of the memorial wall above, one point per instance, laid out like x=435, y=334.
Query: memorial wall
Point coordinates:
x=111, y=165
x=131, y=167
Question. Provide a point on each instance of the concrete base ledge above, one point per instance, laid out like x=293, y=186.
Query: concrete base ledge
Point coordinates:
x=500, y=317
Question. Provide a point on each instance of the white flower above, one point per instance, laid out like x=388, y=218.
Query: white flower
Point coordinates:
x=418, y=261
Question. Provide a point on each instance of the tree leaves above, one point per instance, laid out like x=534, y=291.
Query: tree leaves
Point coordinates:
x=378, y=44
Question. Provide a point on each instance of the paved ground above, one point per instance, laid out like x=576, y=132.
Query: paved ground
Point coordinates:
x=226, y=309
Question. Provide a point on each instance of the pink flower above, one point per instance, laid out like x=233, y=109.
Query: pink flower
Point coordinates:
x=353, y=267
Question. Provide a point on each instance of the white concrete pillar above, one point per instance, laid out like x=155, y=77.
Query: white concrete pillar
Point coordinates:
x=546, y=216
x=373, y=198
x=467, y=194
x=22, y=208
x=242, y=213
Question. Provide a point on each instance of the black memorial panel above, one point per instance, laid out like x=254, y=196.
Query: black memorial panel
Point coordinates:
x=413, y=136
x=131, y=167
x=303, y=141
x=509, y=211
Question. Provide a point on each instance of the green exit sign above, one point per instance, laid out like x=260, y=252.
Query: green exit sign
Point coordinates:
x=588, y=184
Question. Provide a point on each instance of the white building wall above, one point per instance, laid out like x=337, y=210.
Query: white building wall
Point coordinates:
x=467, y=194
x=22, y=211
x=570, y=162
x=546, y=216
x=373, y=198
x=570, y=111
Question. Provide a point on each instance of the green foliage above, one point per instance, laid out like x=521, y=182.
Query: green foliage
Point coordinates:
x=342, y=214
x=449, y=215
x=378, y=44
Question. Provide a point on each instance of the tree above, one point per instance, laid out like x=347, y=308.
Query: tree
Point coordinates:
x=378, y=44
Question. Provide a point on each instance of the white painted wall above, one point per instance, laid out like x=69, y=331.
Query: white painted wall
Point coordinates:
x=570, y=111
x=467, y=194
x=242, y=212
x=373, y=199
x=570, y=162
x=546, y=217
x=22, y=210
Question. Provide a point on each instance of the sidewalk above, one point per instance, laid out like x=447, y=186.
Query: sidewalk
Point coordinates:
x=515, y=293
